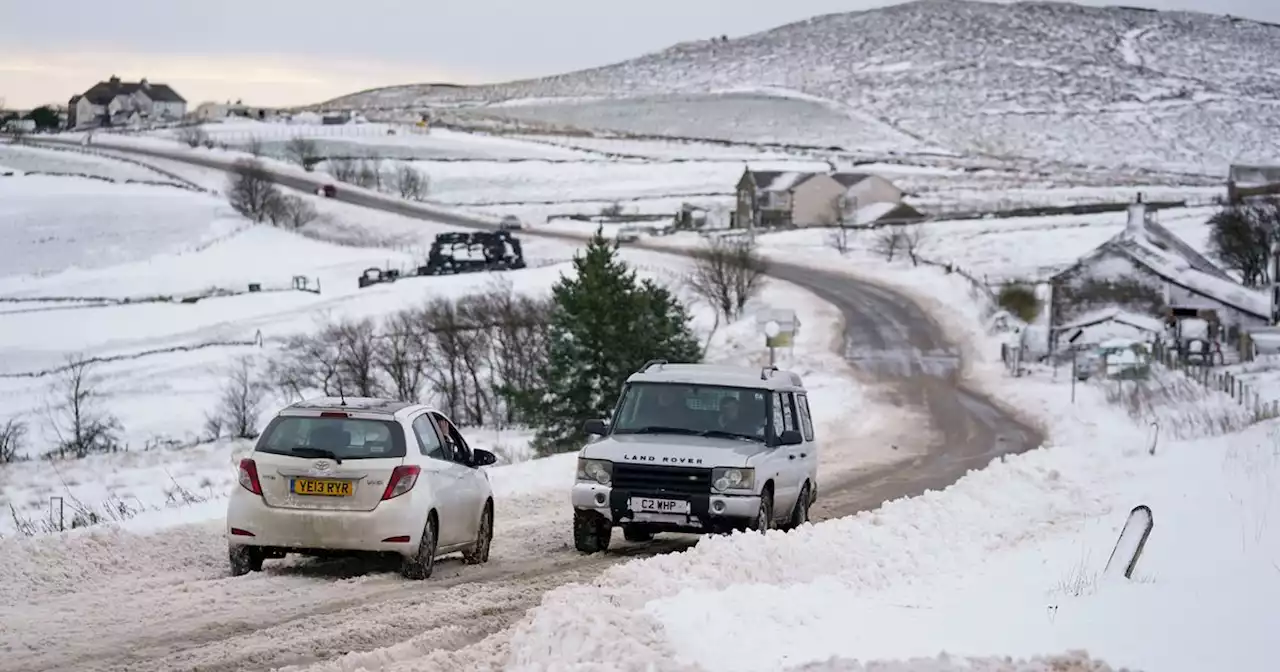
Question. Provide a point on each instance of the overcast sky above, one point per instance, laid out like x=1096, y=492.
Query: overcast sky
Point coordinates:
x=283, y=52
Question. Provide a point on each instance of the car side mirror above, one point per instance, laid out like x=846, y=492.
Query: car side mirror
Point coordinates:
x=790, y=438
x=595, y=427
x=482, y=458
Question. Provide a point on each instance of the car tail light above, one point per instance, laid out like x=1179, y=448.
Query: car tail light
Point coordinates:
x=249, y=476
x=402, y=480
x=334, y=414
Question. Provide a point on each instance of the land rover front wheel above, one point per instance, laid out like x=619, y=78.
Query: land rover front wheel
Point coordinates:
x=764, y=517
x=591, y=532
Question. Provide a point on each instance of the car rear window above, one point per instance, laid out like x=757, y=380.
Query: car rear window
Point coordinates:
x=346, y=438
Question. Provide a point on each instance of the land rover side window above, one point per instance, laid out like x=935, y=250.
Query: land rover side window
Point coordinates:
x=682, y=408
x=779, y=420
x=806, y=420
x=789, y=420
x=429, y=442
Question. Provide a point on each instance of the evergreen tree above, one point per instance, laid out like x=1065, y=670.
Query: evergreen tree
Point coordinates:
x=605, y=324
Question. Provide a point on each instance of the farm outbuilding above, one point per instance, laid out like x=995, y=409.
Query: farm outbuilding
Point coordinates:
x=1147, y=270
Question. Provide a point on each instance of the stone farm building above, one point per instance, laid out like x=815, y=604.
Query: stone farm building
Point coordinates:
x=770, y=199
x=1146, y=270
x=117, y=103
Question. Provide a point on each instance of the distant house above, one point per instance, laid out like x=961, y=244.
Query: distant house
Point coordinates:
x=768, y=199
x=212, y=111
x=1245, y=181
x=117, y=103
x=1147, y=270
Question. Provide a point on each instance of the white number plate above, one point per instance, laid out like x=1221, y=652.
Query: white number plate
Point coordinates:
x=651, y=505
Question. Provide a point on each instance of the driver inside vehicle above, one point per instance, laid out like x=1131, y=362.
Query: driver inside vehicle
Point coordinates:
x=732, y=418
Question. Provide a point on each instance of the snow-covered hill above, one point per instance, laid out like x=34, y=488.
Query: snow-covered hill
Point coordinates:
x=1105, y=86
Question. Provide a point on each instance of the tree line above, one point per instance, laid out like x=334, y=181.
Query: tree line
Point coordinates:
x=496, y=358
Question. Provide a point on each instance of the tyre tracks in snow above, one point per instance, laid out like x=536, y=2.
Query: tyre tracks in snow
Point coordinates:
x=324, y=615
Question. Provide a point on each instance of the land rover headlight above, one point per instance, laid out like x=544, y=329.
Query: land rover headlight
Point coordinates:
x=733, y=478
x=598, y=471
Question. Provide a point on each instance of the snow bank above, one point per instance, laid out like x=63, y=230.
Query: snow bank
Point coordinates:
x=1007, y=561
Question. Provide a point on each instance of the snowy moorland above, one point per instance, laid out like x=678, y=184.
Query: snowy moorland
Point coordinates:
x=1017, y=549
x=1060, y=82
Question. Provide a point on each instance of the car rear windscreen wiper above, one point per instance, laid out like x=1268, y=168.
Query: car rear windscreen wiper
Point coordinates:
x=308, y=451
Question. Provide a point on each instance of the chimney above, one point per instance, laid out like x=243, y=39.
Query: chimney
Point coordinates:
x=144, y=83
x=114, y=80
x=1137, y=218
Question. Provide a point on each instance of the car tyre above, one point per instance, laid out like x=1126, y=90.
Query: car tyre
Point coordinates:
x=800, y=514
x=479, y=554
x=764, y=517
x=420, y=565
x=591, y=532
x=245, y=559
x=633, y=533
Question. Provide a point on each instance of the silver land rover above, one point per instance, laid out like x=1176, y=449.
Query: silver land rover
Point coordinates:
x=697, y=448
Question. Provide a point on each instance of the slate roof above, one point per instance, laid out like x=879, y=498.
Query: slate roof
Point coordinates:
x=103, y=92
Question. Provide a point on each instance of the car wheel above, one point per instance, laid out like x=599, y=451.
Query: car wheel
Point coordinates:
x=764, y=517
x=633, y=533
x=591, y=532
x=245, y=559
x=420, y=564
x=479, y=554
x=800, y=514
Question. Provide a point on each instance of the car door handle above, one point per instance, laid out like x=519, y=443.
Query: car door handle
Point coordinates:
x=791, y=456
x=804, y=454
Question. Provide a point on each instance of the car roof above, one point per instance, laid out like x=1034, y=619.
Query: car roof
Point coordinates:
x=766, y=378
x=369, y=405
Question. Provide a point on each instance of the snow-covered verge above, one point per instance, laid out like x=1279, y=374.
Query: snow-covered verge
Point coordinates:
x=1008, y=561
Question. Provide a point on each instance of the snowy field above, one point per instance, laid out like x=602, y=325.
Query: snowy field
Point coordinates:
x=1018, y=549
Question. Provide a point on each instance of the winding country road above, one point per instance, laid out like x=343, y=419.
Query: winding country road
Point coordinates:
x=282, y=617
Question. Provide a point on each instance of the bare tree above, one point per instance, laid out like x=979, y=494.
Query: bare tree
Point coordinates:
x=402, y=357
x=252, y=192
x=1240, y=237
x=75, y=416
x=727, y=273
x=410, y=182
x=357, y=345
x=13, y=434
x=307, y=363
x=290, y=211
x=343, y=169
x=912, y=239
x=888, y=242
x=240, y=405
x=839, y=240
x=192, y=136
x=302, y=151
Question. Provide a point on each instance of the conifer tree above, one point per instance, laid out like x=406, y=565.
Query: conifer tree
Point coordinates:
x=605, y=324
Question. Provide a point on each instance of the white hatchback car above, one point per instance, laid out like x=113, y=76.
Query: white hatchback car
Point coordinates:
x=361, y=475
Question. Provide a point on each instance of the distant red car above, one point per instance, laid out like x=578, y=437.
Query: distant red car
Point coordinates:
x=328, y=191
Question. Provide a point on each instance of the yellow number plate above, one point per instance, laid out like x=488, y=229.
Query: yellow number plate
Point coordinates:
x=323, y=487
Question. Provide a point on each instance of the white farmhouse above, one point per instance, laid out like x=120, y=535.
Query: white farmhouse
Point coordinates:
x=117, y=103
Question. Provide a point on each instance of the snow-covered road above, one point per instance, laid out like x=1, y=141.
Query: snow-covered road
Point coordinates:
x=97, y=601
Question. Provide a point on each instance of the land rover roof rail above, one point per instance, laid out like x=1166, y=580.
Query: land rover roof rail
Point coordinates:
x=653, y=362
x=764, y=372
